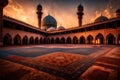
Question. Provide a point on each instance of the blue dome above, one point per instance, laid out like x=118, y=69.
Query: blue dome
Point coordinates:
x=49, y=21
x=101, y=18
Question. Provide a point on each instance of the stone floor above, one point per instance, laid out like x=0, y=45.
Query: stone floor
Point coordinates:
x=60, y=62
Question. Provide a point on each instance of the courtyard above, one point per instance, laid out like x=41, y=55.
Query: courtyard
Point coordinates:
x=60, y=62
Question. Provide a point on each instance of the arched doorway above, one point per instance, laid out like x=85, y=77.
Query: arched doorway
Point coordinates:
x=48, y=40
x=41, y=40
x=7, y=40
x=62, y=40
x=99, y=39
x=82, y=40
x=75, y=40
x=36, y=40
x=90, y=39
x=110, y=39
x=17, y=40
x=57, y=41
x=44, y=41
x=25, y=40
x=31, y=40
x=118, y=40
x=52, y=40
x=68, y=40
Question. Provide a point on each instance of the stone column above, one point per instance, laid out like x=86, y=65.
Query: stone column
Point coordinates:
x=3, y=3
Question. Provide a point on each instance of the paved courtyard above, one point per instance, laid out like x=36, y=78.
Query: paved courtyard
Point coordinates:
x=60, y=62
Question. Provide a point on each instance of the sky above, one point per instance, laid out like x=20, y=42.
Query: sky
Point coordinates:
x=64, y=11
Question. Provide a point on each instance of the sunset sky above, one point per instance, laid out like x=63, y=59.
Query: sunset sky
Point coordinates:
x=64, y=11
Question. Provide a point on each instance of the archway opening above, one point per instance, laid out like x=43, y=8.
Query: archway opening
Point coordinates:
x=68, y=41
x=82, y=40
x=110, y=39
x=99, y=39
x=17, y=40
x=52, y=40
x=75, y=40
x=7, y=40
x=41, y=40
x=36, y=40
x=119, y=39
x=31, y=41
x=57, y=41
x=62, y=40
x=25, y=40
x=48, y=40
x=90, y=39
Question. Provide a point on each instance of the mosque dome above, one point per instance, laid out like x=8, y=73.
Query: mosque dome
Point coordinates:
x=60, y=28
x=49, y=21
x=101, y=18
x=51, y=29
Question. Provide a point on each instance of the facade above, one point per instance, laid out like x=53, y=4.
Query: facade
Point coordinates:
x=102, y=31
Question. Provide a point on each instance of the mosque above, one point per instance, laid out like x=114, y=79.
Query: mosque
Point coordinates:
x=101, y=31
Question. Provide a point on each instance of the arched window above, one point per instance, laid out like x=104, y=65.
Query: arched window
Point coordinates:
x=25, y=40
x=17, y=40
x=7, y=39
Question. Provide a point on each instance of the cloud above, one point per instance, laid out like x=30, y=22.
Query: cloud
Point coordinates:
x=64, y=11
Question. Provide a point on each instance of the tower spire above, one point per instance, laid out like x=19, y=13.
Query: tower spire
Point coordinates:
x=39, y=13
x=80, y=14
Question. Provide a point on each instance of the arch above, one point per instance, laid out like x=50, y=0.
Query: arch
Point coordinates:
x=57, y=40
x=82, y=40
x=118, y=39
x=75, y=40
x=36, y=40
x=99, y=39
x=31, y=40
x=48, y=40
x=90, y=39
x=17, y=40
x=68, y=40
x=7, y=39
x=25, y=40
x=62, y=40
x=44, y=41
x=52, y=40
x=41, y=40
x=110, y=39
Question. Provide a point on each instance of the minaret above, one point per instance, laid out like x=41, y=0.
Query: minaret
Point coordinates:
x=39, y=13
x=118, y=13
x=3, y=3
x=80, y=14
